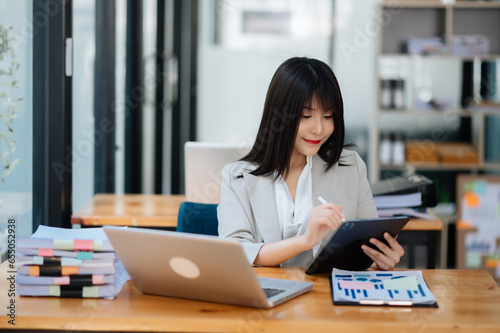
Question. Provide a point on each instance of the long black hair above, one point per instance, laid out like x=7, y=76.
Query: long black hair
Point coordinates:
x=296, y=82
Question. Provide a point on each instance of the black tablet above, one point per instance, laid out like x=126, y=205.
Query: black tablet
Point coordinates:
x=343, y=250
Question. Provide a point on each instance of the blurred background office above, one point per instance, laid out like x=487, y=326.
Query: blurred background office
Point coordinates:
x=102, y=95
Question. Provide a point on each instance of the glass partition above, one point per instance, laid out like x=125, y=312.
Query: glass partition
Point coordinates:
x=16, y=118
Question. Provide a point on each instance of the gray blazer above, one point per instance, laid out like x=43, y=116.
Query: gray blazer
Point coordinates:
x=248, y=209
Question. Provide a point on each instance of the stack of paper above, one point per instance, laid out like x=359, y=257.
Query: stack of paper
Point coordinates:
x=68, y=263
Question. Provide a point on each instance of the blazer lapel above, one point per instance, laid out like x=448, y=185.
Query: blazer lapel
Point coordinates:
x=324, y=185
x=262, y=196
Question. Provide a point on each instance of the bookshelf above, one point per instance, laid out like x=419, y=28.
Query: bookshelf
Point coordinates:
x=432, y=106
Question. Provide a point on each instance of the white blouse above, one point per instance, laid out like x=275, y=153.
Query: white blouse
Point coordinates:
x=294, y=216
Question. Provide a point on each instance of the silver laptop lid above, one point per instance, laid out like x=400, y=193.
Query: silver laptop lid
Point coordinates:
x=188, y=266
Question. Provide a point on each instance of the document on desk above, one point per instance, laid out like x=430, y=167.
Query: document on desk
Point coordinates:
x=60, y=239
x=388, y=288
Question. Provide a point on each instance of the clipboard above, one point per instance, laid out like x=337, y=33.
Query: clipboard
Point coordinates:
x=381, y=288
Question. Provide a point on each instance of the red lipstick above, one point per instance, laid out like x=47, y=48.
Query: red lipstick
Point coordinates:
x=313, y=142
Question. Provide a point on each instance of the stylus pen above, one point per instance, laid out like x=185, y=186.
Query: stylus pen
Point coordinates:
x=323, y=201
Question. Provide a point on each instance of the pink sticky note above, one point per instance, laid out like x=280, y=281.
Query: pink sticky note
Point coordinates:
x=45, y=252
x=61, y=281
x=97, y=279
x=83, y=245
x=356, y=285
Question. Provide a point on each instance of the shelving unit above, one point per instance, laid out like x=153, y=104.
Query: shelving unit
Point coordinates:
x=399, y=21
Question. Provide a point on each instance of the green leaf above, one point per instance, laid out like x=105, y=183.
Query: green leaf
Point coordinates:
x=20, y=99
x=13, y=165
x=5, y=160
x=2, y=72
x=2, y=94
x=13, y=150
x=13, y=83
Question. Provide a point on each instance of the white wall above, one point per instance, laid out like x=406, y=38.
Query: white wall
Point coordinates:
x=355, y=47
x=232, y=83
x=233, y=86
x=233, y=79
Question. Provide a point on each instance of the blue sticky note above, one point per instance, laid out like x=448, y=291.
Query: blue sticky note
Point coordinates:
x=481, y=187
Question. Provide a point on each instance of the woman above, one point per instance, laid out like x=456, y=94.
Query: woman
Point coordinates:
x=270, y=198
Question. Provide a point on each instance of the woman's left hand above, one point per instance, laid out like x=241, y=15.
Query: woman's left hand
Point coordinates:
x=389, y=256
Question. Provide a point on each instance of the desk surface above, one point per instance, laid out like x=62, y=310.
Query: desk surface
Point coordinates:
x=144, y=210
x=138, y=210
x=468, y=301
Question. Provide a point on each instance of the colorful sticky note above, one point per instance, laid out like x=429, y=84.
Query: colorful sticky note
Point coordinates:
x=404, y=283
x=356, y=285
x=468, y=187
x=481, y=187
x=473, y=259
x=471, y=199
x=492, y=263
x=462, y=224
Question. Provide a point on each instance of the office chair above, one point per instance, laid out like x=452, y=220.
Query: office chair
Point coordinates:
x=198, y=218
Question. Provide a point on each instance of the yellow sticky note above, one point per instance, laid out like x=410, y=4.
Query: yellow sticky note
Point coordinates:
x=472, y=199
x=469, y=186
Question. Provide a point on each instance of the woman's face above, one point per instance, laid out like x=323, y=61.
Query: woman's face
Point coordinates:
x=315, y=127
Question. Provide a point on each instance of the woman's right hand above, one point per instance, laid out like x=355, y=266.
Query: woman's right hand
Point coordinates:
x=323, y=218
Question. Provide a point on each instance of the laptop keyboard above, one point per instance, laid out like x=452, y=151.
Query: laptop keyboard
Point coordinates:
x=270, y=292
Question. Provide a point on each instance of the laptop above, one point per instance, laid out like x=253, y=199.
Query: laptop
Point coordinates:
x=198, y=267
x=203, y=163
x=343, y=249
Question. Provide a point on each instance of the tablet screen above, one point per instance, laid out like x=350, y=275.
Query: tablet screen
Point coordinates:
x=343, y=249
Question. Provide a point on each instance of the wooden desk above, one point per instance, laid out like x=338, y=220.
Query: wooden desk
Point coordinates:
x=144, y=210
x=469, y=301
x=138, y=210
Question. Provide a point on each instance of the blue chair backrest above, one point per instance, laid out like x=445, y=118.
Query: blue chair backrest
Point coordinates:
x=198, y=218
